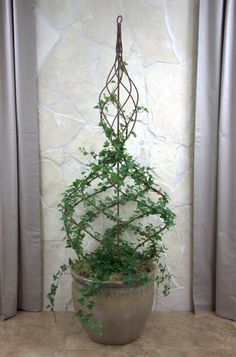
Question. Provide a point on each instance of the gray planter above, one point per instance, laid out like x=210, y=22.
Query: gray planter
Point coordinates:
x=124, y=309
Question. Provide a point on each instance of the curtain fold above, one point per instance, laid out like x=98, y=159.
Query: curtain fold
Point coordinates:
x=214, y=250
x=20, y=244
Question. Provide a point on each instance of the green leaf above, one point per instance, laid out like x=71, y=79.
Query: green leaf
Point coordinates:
x=79, y=313
x=82, y=301
x=115, y=178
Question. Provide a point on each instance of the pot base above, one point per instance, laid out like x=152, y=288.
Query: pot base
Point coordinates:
x=107, y=341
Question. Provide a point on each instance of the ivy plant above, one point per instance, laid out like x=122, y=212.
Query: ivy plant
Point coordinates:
x=130, y=247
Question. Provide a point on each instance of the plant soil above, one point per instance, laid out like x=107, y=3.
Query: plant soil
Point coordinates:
x=84, y=269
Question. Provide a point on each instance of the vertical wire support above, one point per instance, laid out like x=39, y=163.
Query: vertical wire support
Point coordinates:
x=124, y=107
x=119, y=61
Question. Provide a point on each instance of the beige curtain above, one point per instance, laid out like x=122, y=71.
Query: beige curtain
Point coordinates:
x=214, y=272
x=20, y=248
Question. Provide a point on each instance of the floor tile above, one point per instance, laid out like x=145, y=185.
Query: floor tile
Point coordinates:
x=167, y=334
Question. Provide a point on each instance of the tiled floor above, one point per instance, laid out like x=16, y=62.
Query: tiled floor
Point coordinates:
x=172, y=334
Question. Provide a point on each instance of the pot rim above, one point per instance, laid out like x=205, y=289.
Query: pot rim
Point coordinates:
x=108, y=283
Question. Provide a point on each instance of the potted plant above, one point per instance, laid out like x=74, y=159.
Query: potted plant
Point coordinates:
x=113, y=285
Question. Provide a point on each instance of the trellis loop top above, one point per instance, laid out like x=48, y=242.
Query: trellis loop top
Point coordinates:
x=119, y=19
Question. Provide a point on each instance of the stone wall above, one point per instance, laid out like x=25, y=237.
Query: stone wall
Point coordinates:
x=75, y=43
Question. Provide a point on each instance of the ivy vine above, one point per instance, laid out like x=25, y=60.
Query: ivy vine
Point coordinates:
x=113, y=179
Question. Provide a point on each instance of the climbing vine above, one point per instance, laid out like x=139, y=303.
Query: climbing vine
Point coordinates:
x=113, y=179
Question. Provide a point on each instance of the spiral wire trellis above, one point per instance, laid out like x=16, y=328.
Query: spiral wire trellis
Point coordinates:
x=118, y=74
x=118, y=94
x=115, y=84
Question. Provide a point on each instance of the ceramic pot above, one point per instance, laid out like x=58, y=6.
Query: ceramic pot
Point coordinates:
x=123, y=309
